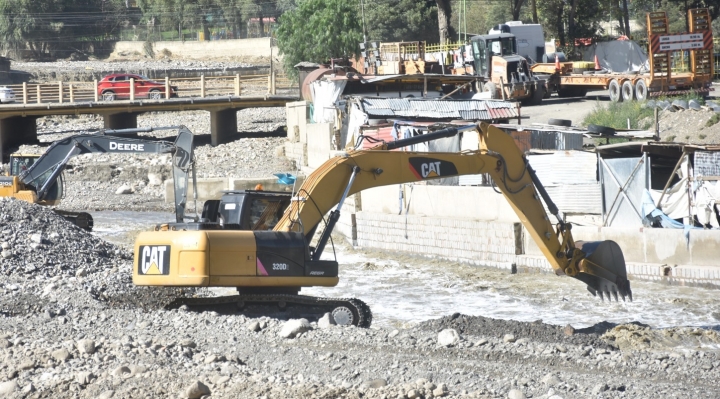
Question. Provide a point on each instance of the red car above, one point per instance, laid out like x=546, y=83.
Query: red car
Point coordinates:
x=117, y=86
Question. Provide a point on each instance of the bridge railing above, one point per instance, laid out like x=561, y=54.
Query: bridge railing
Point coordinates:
x=210, y=86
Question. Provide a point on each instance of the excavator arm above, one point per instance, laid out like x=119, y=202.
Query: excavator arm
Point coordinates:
x=600, y=265
x=44, y=173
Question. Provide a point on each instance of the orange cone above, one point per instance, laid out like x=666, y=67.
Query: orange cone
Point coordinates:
x=597, y=63
x=557, y=62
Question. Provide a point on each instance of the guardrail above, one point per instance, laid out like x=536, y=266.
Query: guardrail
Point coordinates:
x=61, y=91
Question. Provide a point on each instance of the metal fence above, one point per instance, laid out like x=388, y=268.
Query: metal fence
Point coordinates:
x=237, y=85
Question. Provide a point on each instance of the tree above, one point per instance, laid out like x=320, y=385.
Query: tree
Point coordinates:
x=43, y=29
x=318, y=30
x=418, y=21
x=444, y=24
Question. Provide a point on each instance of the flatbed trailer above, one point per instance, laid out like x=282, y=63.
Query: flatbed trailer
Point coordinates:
x=571, y=79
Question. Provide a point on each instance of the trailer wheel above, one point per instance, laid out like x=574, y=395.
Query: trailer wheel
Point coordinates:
x=560, y=122
x=628, y=91
x=641, y=90
x=614, y=91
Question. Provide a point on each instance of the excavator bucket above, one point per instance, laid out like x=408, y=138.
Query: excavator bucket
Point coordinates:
x=603, y=269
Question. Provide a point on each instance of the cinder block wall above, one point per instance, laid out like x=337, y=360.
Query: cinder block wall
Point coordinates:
x=472, y=241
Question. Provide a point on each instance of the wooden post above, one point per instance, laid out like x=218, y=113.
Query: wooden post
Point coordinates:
x=39, y=97
x=132, y=89
x=424, y=94
x=72, y=95
x=272, y=83
x=202, y=86
x=167, y=87
x=95, y=86
x=25, y=93
x=60, y=92
x=237, y=85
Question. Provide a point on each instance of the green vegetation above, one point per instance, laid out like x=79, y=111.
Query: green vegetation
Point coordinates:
x=715, y=118
x=616, y=115
x=318, y=30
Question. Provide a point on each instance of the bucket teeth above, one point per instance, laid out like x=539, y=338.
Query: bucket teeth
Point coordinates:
x=603, y=270
x=602, y=298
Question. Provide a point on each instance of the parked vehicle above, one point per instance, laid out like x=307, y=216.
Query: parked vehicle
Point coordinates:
x=7, y=95
x=117, y=86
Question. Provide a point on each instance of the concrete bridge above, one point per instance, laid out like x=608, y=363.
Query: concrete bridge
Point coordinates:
x=18, y=121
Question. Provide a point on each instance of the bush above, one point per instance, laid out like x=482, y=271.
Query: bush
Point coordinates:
x=616, y=115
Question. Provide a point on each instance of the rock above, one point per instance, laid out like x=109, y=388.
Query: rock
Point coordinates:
x=188, y=343
x=222, y=380
x=106, y=395
x=550, y=380
x=515, y=394
x=196, y=390
x=122, y=372
x=6, y=254
x=61, y=355
x=86, y=346
x=124, y=189
x=413, y=394
x=28, y=388
x=84, y=377
x=569, y=330
x=254, y=326
x=481, y=342
x=4, y=343
x=508, y=338
x=211, y=359
x=155, y=179
x=326, y=321
x=7, y=388
x=441, y=390
x=26, y=364
x=376, y=383
x=393, y=333
x=293, y=327
x=5, y=245
x=599, y=388
x=36, y=238
x=448, y=337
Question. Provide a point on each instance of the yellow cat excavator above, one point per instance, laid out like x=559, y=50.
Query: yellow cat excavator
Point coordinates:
x=269, y=267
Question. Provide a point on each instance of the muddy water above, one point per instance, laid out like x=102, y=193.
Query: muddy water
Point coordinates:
x=403, y=289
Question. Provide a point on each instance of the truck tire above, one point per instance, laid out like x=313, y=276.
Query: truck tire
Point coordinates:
x=641, y=90
x=560, y=122
x=604, y=130
x=628, y=91
x=614, y=91
x=536, y=97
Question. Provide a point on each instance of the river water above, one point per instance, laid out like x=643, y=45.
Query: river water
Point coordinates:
x=403, y=289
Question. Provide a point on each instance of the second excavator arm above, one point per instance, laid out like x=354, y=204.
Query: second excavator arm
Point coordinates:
x=600, y=265
x=46, y=170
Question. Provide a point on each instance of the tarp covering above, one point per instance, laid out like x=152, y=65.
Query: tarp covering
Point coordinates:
x=325, y=93
x=618, y=56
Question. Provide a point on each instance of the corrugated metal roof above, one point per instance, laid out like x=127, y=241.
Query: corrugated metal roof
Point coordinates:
x=472, y=110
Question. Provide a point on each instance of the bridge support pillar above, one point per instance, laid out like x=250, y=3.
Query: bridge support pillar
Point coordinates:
x=125, y=120
x=16, y=130
x=223, y=126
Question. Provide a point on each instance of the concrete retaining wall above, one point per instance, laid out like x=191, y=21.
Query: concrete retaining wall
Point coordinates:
x=257, y=47
x=435, y=226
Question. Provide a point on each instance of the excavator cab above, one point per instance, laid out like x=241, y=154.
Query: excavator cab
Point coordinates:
x=19, y=163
